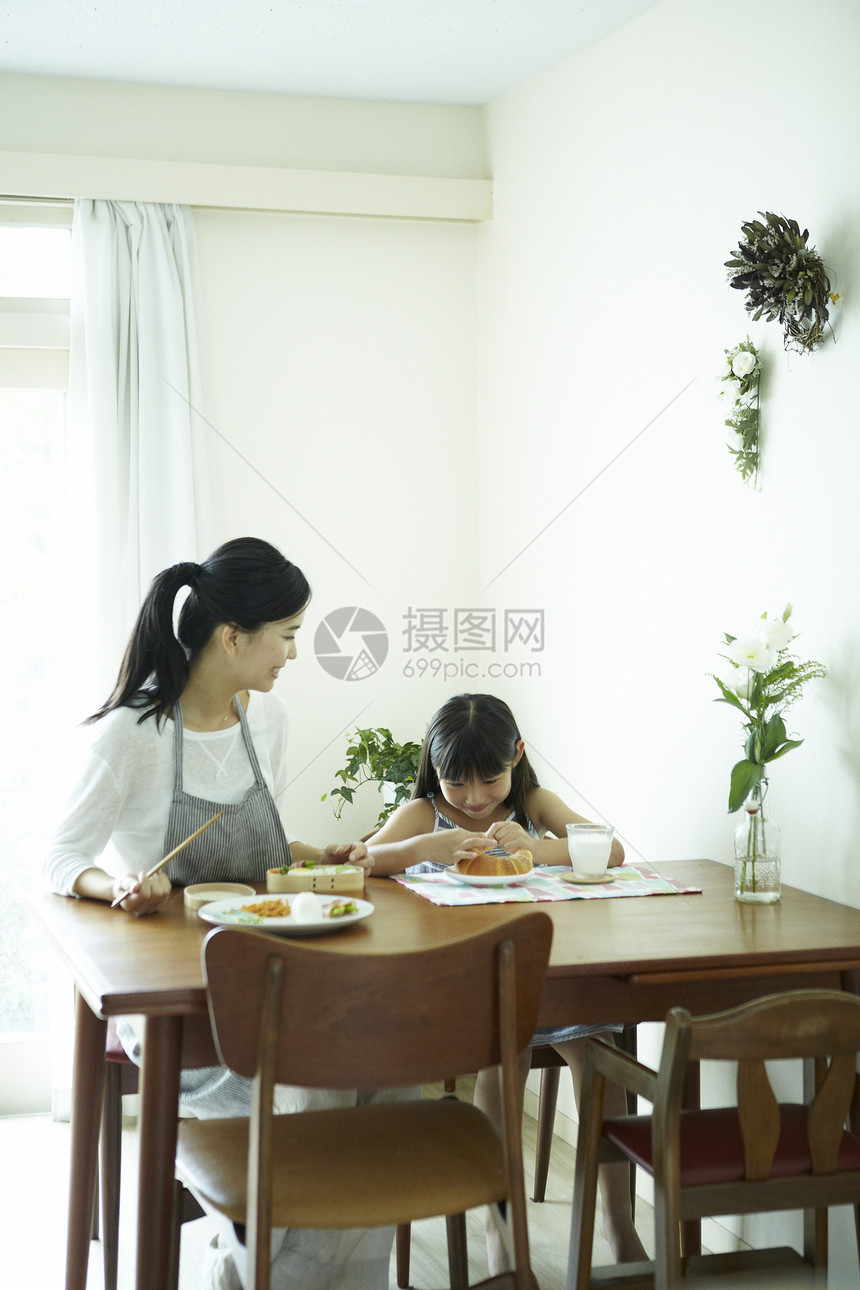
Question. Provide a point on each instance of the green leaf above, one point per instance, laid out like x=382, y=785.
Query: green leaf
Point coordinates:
x=774, y=735
x=728, y=695
x=786, y=748
x=745, y=776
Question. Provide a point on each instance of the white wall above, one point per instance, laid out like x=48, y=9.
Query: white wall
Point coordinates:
x=344, y=364
x=56, y=115
x=343, y=356
x=621, y=179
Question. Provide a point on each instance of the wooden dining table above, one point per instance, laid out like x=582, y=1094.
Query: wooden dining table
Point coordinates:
x=628, y=959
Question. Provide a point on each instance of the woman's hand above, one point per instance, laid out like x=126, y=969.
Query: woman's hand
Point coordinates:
x=348, y=853
x=511, y=837
x=141, y=895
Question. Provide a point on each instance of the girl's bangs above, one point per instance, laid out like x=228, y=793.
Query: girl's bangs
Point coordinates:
x=468, y=754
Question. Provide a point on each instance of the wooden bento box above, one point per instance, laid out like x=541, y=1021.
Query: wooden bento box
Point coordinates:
x=342, y=879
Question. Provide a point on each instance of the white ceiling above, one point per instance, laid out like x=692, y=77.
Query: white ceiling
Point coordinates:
x=419, y=51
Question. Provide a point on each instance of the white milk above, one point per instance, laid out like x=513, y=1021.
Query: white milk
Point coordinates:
x=590, y=847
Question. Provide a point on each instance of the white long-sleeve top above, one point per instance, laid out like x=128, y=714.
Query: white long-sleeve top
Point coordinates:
x=116, y=814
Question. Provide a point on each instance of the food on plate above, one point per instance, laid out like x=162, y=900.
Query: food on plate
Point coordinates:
x=338, y=908
x=490, y=866
x=307, y=907
x=268, y=909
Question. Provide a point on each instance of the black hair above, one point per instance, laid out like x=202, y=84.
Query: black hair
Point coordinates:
x=475, y=734
x=246, y=583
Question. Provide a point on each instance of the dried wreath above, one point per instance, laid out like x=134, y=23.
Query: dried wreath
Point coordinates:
x=784, y=279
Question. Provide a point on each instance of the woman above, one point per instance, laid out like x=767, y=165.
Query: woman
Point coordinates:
x=193, y=727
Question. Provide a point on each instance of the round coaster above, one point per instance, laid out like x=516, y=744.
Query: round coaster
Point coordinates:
x=573, y=877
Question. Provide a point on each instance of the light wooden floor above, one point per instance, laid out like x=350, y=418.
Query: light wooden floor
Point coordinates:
x=34, y=1159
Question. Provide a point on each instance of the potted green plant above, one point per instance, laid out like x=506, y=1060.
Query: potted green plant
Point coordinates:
x=375, y=755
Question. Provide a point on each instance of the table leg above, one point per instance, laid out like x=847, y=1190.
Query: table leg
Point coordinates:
x=87, y=1096
x=159, y=1099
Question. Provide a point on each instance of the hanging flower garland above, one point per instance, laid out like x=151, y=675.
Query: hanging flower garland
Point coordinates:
x=784, y=279
x=743, y=372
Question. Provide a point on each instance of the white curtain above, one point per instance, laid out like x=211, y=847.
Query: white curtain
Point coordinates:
x=143, y=486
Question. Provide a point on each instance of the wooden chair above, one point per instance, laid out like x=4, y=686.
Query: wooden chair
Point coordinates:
x=755, y=1157
x=288, y=1012
x=550, y=1064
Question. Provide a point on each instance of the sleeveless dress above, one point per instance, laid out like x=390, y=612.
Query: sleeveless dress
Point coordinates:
x=544, y=1034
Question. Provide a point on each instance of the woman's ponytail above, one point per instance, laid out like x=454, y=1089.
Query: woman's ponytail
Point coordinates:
x=155, y=664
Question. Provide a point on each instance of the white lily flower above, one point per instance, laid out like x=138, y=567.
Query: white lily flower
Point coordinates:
x=739, y=681
x=753, y=653
x=776, y=633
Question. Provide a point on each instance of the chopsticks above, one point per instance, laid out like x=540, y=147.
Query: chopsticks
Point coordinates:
x=175, y=852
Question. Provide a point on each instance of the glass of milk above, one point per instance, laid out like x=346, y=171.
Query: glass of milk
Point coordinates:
x=589, y=846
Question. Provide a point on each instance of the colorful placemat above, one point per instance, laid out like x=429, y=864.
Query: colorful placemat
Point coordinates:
x=545, y=884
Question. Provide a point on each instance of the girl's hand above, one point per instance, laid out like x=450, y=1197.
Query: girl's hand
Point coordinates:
x=511, y=837
x=142, y=895
x=348, y=853
x=451, y=845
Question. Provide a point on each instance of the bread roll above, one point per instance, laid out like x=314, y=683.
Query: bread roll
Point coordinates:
x=487, y=866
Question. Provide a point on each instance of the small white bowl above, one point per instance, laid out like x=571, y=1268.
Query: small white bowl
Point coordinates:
x=200, y=893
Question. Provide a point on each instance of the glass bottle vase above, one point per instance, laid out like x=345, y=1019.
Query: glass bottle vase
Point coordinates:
x=757, y=852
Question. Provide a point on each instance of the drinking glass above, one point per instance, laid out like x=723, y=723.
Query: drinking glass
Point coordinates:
x=590, y=846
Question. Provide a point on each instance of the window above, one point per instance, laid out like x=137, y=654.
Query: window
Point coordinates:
x=34, y=323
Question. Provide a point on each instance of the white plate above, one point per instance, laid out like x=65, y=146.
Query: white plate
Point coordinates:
x=228, y=913
x=489, y=879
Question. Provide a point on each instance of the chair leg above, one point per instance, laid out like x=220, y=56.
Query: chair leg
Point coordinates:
x=403, y=1249
x=175, y=1226
x=627, y=1043
x=585, y=1189
x=94, y=1226
x=110, y=1167
x=186, y=1208
x=546, y=1118
x=403, y=1235
x=458, y=1254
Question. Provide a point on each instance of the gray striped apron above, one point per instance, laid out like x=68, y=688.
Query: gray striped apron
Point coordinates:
x=247, y=840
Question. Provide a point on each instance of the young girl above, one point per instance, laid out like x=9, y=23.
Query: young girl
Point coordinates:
x=193, y=726
x=476, y=791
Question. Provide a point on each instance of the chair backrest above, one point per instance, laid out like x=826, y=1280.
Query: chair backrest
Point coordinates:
x=819, y=1024
x=344, y=1020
